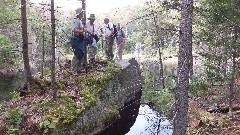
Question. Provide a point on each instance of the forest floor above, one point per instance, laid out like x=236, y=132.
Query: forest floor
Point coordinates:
x=208, y=115
x=24, y=114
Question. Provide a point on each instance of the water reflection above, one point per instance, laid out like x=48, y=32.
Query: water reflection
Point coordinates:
x=147, y=123
x=128, y=115
x=140, y=121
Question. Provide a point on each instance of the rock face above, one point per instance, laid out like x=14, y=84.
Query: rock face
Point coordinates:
x=121, y=90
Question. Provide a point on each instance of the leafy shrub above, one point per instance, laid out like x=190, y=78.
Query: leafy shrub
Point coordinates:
x=198, y=87
x=6, y=56
x=14, y=118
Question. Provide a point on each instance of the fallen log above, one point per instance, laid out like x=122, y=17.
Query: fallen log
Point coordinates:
x=224, y=109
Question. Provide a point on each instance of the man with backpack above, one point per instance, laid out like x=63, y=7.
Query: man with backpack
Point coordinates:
x=109, y=37
x=76, y=41
x=120, y=40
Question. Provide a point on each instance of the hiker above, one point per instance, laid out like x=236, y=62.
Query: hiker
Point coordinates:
x=93, y=38
x=77, y=41
x=120, y=41
x=108, y=34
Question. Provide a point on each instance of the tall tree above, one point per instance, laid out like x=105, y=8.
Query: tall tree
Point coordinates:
x=220, y=34
x=181, y=93
x=233, y=74
x=53, y=79
x=27, y=71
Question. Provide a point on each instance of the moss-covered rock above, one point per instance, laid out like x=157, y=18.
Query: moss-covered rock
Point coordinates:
x=65, y=109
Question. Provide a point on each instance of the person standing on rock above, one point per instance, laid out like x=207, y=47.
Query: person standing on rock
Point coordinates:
x=120, y=41
x=93, y=38
x=76, y=41
x=108, y=34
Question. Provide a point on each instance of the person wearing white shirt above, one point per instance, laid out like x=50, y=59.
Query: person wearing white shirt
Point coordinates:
x=77, y=41
x=92, y=47
x=108, y=34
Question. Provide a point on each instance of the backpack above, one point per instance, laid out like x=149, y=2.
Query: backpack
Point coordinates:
x=115, y=30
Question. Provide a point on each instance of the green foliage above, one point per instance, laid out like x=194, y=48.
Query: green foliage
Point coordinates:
x=6, y=55
x=60, y=84
x=40, y=27
x=46, y=70
x=9, y=12
x=217, y=28
x=59, y=112
x=198, y=87
x=49, y=122
x=162, y=98
x=96, y=83
x=14, y=118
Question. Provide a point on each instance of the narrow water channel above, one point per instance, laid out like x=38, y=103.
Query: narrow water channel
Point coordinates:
x=139, y=119
x=150, y=122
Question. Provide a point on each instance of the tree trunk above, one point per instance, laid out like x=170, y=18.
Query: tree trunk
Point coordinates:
x=43, y=54
x=160, y=54
x=181, y=92
x=53, y=80
x=234, y=64
x=27, y=71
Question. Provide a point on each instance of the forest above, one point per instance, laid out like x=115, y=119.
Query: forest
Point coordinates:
x=187, y=51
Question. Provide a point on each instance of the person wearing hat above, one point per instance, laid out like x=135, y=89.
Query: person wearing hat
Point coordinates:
x=77, y=41
x=109, y=38
x=120, y=41
x=93, y=37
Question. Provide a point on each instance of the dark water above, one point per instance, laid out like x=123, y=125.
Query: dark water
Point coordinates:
x=137, y=119
x=150, y=122
x=8, y=84
x=141, y=121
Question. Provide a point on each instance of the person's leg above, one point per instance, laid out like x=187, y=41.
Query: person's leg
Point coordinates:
x=120, y=51
x=106, y=48
x=90, y=54
x=111, y=48
x=94, y=55
x=116, y=53
x=76, y=65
